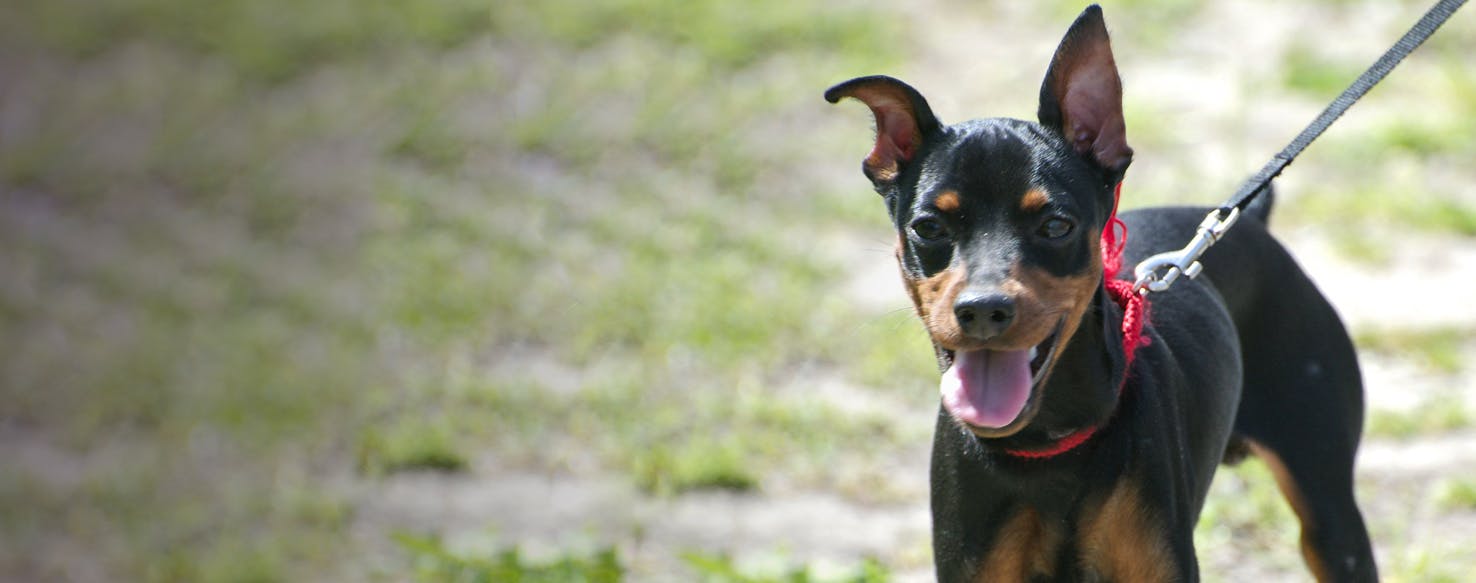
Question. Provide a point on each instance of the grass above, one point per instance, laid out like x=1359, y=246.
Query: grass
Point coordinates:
x=1423, y=555
x=1439, y=349
x=723, y=569
x=329, y=220
x=434, y=562
x=1315, y=75
x=720, y=33
x=1156, y=23
x=669, y=437
x=1246, y=511
x=1438, y=415
x=1458, y=494
x=265, y=41
x=1386, y=165
x=700, y=465
x=253, y=246
x=1402, y=202
x=1426, y=567
x=410, y=446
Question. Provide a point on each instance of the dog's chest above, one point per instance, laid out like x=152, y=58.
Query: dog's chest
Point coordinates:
x=1117, y=538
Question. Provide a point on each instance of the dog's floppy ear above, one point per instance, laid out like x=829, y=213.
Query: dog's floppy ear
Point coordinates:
x=1081, y=96
x=903, y=121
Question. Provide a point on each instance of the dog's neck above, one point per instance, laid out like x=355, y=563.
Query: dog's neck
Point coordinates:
x=1082, y=390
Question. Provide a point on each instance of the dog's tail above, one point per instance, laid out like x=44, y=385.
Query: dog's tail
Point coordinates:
x=1260, y=206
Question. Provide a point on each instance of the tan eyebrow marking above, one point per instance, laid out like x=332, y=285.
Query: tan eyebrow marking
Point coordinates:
x=946, y=202
x=1034, y=200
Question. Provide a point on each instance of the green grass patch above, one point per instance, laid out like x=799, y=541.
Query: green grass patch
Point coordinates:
x=431, y=141
x=1426, y=137
x=1457, y=494
x=271, y=40
x=723, y=34
x=1154, y=23
x=1360, y=207
x=1245, y=509
x=723, y=569
x=671, y=437
x=1442, y=132
x=166, y=519
x=1402, y=171
x=1440, y=349
x=1360, y=247
x=433, y=561
x=410, y=446
x=1426, y=566
x=1308, y=72
x=700, y=465
x=1440, y=414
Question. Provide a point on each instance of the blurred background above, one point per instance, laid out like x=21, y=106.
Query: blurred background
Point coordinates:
x=565, y=290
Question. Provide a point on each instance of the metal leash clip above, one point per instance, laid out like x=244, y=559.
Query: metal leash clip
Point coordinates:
x=1157, y=273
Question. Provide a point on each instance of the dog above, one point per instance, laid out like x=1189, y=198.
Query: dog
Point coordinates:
x=1081, y=424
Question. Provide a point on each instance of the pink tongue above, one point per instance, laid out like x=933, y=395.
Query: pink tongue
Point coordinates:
x=985, y=388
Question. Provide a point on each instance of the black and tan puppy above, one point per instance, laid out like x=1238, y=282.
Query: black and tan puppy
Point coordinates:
x=1062, y=452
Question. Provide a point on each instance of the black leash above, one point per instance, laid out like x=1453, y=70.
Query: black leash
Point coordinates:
x=1158, y=272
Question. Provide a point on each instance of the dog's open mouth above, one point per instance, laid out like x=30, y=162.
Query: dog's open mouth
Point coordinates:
x=993, y=389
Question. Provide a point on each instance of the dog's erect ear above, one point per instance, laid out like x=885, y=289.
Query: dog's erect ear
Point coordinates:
x=903, y=120
x=1082, y=95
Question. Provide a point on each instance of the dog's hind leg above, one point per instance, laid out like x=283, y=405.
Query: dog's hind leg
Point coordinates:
x=1335, y=543
x=1301, y=412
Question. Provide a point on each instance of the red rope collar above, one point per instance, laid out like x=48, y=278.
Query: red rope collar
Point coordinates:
x=1134, y=315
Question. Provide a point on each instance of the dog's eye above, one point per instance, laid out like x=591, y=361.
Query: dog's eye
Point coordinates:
x=929, y=230
x=1055, y=228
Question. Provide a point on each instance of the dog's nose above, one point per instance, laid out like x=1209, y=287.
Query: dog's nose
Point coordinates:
x=984, y=316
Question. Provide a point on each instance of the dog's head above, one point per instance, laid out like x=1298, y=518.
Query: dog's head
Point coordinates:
x=999, y=222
